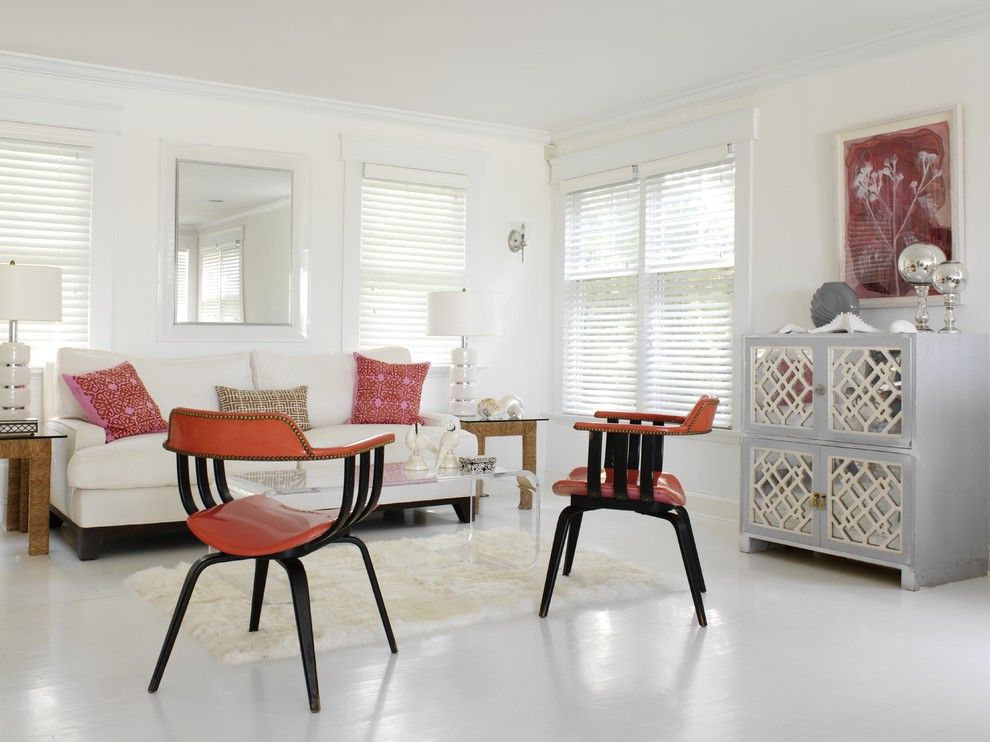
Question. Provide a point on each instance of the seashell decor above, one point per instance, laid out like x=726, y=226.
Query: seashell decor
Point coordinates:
x=489, y=407
x=512, y=406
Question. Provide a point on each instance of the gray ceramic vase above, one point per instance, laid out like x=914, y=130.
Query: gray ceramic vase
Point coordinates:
x=832, y=299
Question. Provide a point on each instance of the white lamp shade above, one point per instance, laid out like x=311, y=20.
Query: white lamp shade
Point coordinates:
x=465, y=313
x=31, y=292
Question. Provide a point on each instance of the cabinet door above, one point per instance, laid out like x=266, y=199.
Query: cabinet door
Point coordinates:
x=780, y=397
x=869, y=503
x=869, y=396
x=778, y=485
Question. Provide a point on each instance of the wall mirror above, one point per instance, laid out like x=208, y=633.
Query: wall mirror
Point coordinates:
x=233, y=254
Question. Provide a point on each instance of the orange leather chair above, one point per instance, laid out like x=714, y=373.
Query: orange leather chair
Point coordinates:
x=260, y=527
x=634, y=448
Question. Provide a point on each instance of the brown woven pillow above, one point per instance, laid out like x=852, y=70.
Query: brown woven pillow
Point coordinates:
x=291, y=402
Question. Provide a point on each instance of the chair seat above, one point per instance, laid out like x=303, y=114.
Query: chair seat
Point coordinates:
x=666, y=487
x=258, y=525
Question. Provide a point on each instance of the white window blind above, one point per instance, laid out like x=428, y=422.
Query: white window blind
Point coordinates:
x=689, y=240
x=221, y=296
x=46, y=204
x=182, y=285
x=601, y=296
x=413, y=241
x=648, y=275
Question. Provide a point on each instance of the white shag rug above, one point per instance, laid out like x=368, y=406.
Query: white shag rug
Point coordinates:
x=428, y=584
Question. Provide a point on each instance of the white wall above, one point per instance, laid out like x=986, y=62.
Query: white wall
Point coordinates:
x=794, y=203
x=515, y=189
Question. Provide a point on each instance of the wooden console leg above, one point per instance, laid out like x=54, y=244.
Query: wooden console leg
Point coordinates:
x=39, y=494
x=529, y=464
x=14, y=495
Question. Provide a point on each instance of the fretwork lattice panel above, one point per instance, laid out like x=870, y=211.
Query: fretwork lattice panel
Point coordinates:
x=781, y=491
x=866, y=503
x=782, y=387
x=866, y=391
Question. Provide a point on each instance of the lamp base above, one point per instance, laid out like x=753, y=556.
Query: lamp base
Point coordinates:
x=15, y=382
x=463, y=374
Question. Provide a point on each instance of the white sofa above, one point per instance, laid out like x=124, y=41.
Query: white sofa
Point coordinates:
x=100, y=488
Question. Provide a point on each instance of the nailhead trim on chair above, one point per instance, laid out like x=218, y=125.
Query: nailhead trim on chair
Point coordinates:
x=315, y=454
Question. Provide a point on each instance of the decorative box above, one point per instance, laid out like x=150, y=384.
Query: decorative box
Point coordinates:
x=476, y=464
x=18, y=427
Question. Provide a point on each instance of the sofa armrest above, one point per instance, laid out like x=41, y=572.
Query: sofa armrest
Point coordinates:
x=81, y=434
x=439, y=419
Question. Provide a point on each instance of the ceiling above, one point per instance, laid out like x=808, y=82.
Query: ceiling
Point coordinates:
x=237, y=189
x=543, y=64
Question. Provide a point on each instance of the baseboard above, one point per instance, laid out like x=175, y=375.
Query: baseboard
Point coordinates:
x=714, y=507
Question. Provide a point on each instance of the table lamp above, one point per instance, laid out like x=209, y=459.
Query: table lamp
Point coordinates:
x=27, y=292
x=465, y=313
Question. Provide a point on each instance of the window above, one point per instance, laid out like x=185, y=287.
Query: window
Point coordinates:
x=413, y=241
x=648, y=281
x=221, y=296
x=46, y=204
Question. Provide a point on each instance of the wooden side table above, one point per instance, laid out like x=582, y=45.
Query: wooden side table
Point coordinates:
x=29, y=485
x=525, y=428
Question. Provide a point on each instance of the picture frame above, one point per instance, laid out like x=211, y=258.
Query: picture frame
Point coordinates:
x=897, y=182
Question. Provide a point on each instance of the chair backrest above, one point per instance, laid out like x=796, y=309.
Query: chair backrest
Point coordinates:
x=243, y=436
x=267, y=436
x=702, y=416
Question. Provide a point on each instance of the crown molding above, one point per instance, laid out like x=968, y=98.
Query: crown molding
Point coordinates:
x=126, y=78
x=878, y=47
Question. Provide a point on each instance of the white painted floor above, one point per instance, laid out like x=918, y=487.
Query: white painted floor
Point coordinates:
x=799, y=647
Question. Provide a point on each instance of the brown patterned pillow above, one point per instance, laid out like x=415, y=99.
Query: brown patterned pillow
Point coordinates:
x=291, y=402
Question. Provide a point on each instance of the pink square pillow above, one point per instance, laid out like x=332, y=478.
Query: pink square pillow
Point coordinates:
x=387, y=392
x=116, y=400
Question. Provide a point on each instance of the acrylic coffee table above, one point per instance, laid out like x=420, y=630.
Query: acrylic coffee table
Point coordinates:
x=320, y=488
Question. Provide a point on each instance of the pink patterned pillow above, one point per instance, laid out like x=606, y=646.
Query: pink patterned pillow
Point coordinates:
x=387, y=392
x=116, y=400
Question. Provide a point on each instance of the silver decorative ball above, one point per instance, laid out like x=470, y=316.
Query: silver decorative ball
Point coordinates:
x=832, y=299
x=950, y=277
x=917, y=262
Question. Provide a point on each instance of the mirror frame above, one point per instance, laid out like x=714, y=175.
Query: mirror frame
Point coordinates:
x=298, y=165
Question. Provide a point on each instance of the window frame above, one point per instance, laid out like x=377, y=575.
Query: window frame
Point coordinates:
x=426, y=165
x=671, y=149
x=98, y=133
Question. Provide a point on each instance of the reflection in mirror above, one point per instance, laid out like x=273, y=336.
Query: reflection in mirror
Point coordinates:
x=233, y=244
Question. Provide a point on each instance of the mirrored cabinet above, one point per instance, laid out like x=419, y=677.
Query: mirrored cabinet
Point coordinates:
x=869, y=446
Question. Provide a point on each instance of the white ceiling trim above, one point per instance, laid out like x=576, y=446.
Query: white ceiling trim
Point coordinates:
x=883, y=46
x=115, y=76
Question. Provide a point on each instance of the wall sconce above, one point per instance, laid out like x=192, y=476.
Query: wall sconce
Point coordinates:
x=517, y=241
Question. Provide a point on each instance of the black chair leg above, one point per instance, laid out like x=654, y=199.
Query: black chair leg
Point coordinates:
x=572, y=539
x=299, y=586
x=258, y=595
x=375, y=589
x=695, y=561
x=180, y=611
x=685, y=541
x=555, y=553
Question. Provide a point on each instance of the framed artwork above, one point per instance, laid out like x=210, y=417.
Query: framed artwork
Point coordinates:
x=898, y=183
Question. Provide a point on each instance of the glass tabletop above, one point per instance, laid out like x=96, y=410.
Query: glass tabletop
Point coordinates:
x=44, y=431
x=476, y=419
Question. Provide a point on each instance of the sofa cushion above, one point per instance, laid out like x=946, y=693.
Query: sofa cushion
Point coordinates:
x=291, y=402
x=388, y=392
x=117, y=401
x=330, y=378
x=185, y=382
x=140, y=461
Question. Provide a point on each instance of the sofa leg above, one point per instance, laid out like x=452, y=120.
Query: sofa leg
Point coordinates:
x=54, y=521
x=88, y=542
x=463, y=509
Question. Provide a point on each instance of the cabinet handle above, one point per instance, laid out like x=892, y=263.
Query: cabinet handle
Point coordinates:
x=818, y=501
